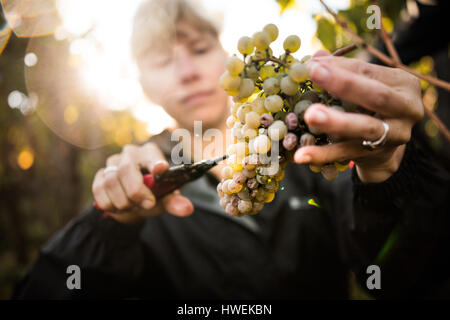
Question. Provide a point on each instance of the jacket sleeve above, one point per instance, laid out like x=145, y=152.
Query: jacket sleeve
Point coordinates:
x=402, y=225
x=110, y=257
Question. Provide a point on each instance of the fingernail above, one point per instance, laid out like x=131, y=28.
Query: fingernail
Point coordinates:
x=319, y=116
x=302, y=158
x=318, y=72
x=147, y=204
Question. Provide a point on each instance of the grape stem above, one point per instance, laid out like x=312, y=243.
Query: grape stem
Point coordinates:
x=394, y=61
x=338, y=52
x=273, y=59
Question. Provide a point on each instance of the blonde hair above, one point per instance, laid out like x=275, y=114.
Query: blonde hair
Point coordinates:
x=155, y=23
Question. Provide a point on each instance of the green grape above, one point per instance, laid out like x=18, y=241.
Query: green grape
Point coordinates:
x=272, y=31
x=231, y=210
x=263, y=54
x=288, y=59
x=248, y=132
x=252, y=119
x=242, y=111
x=236, y=131
x=234, y=108
x=267, y=71
x=257, y=207
x=258, y=106
x=249, y=173
x=305, y=58
x=230, y=122
x=234, y=65
x=271, y=86
x=244, y=194
x=298, y=72
x=227, y=172
x=277, y=130
x=261, y=144
x=273, y=103
x=252, y=72
x=292, y=43
x=229, y=82
x=262, y=40
x=288, y=86
x=246, y=45
x=246, y=88
x=245, y=206
x=301, y=107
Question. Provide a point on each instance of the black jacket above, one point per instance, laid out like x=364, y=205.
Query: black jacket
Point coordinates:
x=291, y=249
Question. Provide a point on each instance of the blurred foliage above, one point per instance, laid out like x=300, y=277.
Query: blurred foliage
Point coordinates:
x=44, y=180
x=333, y=36
x=285, y=4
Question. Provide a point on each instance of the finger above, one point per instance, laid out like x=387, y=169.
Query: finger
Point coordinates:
x=341, y=151
x=132, y=183
x=344, y=124
x=115, y=191
x=178, y=205
x=321, y=53
x=100, y=195
x=153, y=159
x=369, y=93
x=113, y=160
x=393, y=77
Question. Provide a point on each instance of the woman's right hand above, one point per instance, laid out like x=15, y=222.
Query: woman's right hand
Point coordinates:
x=123, y=194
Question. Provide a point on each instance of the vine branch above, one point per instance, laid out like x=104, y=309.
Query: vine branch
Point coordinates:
x=394, y=61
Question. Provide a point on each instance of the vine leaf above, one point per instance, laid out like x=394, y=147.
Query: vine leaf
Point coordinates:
x=285, y=4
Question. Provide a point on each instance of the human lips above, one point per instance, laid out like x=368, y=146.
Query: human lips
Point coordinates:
x=197, y=97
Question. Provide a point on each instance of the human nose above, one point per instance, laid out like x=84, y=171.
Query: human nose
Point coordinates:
x=185, y=67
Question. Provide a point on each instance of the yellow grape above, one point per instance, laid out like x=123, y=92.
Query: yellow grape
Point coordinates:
x=288, y=86
x=298, y=72
x=272, y=31
x=246, y=45
x=234, y=65
x=273, y=103
x=246, y=89
x=292, y=43
x=229, y=82
x=261, y=144
x=261, y=40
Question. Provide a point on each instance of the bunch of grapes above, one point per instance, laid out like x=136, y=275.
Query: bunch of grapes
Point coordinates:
x=271, y=96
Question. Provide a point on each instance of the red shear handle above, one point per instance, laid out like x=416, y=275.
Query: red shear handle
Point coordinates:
x=149, y=182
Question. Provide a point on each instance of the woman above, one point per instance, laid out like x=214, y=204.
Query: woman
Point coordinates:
x=185, y=246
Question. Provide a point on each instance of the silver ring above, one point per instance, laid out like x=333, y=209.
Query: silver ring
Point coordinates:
x=110, y=169
x=380, y=142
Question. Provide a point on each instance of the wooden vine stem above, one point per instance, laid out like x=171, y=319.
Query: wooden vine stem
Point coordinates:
x=394, y=61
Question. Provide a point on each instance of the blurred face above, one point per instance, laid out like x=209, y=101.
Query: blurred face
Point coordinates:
x=183, y=77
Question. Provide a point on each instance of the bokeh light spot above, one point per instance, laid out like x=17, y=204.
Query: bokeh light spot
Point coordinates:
x=25, y=159
x=15, y=99
x=30, y=59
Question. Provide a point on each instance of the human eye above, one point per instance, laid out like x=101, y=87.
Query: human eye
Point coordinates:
x=201, y=48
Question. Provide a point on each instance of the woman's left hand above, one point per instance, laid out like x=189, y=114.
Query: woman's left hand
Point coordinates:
x=392, y=94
